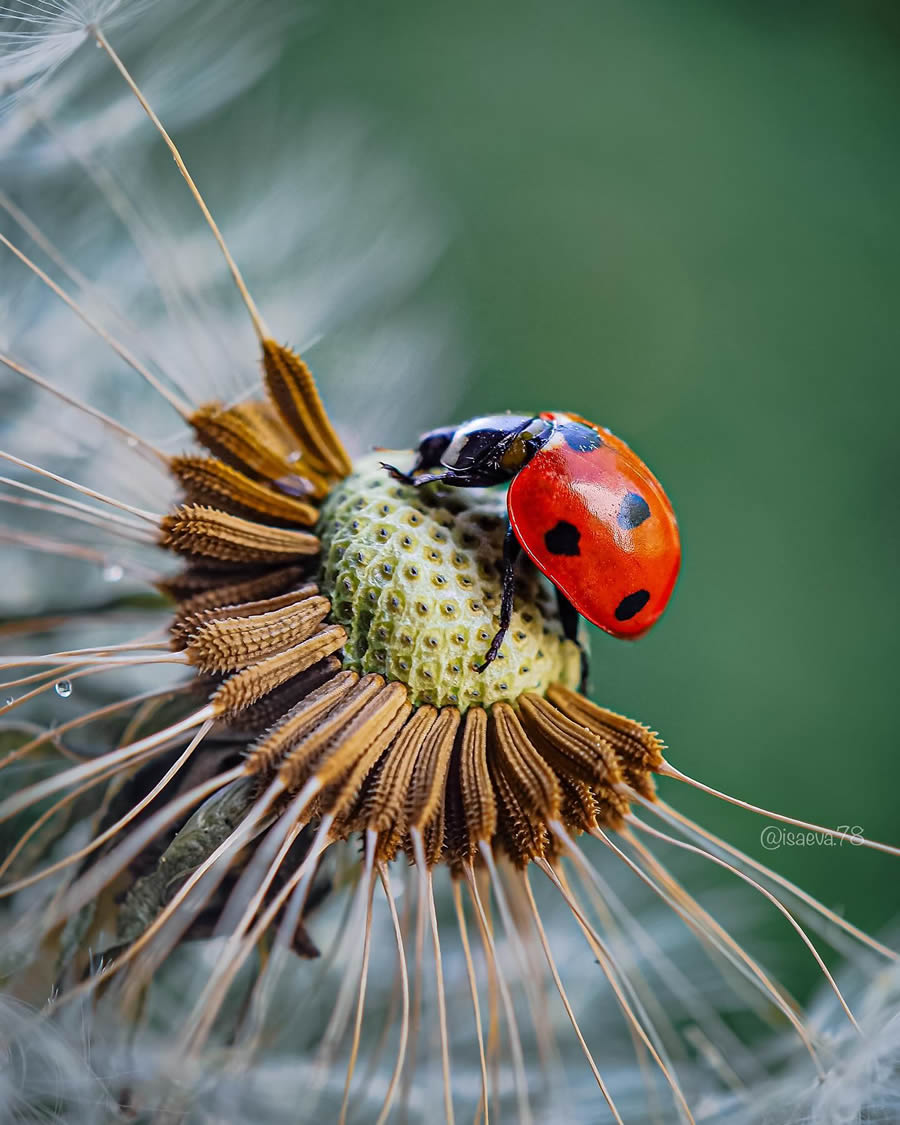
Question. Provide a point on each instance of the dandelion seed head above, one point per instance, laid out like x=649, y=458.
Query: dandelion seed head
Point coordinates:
x=402, y=598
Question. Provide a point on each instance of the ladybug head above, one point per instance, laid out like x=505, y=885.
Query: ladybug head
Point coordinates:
x=505, y=441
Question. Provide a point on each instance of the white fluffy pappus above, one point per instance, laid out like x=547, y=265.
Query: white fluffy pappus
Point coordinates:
x=862, y=1086
x=38, y=36
x=333, y=233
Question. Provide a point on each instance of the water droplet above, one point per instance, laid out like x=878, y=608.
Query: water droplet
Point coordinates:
x=131, y=442
x=294, y=457
x=113, y=573
x=10, y=700
x=63, y=688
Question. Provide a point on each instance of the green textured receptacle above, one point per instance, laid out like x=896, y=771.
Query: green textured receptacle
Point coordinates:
x=413, y=575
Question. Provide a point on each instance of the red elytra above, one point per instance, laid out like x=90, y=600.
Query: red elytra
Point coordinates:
x=598, y=524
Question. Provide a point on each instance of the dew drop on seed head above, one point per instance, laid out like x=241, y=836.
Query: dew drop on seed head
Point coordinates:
x=63, y=688
x=113, y=573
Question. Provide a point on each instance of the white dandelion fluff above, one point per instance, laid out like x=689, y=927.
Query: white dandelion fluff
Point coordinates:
x=117, y=236
x=38, y=36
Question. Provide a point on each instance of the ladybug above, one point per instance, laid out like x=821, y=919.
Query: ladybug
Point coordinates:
x=584, y=508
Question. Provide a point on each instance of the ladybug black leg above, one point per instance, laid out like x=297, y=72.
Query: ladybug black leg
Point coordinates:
x=460, y=478
x=404, y=478
x=511, y=550
x=571, y=618
x=411, y=477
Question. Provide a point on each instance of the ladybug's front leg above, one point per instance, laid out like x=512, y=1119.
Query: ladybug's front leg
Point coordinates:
x=511, y=550
x=411, y=477
x=459, y=478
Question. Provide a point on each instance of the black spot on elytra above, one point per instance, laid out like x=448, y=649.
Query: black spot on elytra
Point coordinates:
x=580, y=438
x=632, y=604
x=633, y=511
x=563, y=539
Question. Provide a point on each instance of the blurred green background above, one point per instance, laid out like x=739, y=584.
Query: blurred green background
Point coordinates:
x=682, y=221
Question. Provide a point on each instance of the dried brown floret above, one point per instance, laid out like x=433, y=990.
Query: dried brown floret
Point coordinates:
x=304, y=754
x=198, y=588
x=535, y=784
x=382, y=806
x=639, y=750
x=198, y=591
x=246, y=687
x=188, y=620
x=426, y=788
x=197, y=530
x=361, y=737
x=522, y=838
x=573, y=750
x=237, y=440
x=208, y=481
x=232, y=643
x=293, y=390
x=273, y=707
x=362, y=748
x=472, y=804
x=269, y=751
